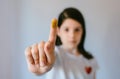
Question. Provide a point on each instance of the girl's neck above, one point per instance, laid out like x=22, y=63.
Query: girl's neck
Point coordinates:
x=73, y=51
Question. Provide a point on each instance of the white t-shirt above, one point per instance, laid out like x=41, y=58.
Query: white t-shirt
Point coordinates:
x=68, y=66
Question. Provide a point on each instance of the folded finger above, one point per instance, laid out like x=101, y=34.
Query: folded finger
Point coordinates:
x=42, y=56
x=35, y=53
x=28, y=55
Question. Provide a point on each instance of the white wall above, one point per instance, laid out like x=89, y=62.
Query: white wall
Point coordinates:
x=24, y=22
x=8, y=39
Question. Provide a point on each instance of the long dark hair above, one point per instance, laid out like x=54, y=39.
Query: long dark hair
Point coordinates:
x=75, y=14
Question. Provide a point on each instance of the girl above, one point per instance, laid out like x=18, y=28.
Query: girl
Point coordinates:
x=63, y=56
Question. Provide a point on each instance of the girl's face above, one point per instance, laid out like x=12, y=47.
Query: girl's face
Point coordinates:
x=70, y=33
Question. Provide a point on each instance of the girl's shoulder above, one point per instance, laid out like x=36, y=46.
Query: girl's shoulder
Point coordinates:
x=93, y=63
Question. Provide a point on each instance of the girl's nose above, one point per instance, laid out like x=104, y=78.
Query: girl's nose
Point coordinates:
x=72, y=34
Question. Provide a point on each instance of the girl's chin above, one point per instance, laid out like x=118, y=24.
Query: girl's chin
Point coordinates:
x=70, y=47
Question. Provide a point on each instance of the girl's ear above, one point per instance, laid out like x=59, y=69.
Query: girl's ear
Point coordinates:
x=58, y=31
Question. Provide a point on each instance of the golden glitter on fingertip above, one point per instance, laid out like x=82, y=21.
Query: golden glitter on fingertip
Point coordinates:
x=54, y=23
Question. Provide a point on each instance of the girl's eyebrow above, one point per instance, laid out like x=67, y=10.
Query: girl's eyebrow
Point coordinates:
x=78, y=27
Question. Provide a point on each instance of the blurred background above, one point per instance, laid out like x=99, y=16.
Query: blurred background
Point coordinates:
x=25, y=22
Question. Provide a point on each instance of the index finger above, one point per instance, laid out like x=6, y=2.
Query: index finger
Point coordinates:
x=53, y=31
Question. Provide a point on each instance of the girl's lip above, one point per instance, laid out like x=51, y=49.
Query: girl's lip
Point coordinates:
x=72, y=41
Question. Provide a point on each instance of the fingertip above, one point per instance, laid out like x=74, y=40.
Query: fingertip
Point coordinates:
x=41, y=44
x=54, y=23
x=53, y=30
x=35, y=51
x=27, y=51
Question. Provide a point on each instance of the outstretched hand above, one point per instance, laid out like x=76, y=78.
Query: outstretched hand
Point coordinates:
x=40, y=57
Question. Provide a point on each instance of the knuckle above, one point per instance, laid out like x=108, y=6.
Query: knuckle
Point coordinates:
x=27, y=51
x=40, y=45
x=27, y=54
x=43, y=58
x=34, y=51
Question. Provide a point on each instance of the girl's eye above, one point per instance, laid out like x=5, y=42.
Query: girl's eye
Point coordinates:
x=77, y=30
x=66, y=29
